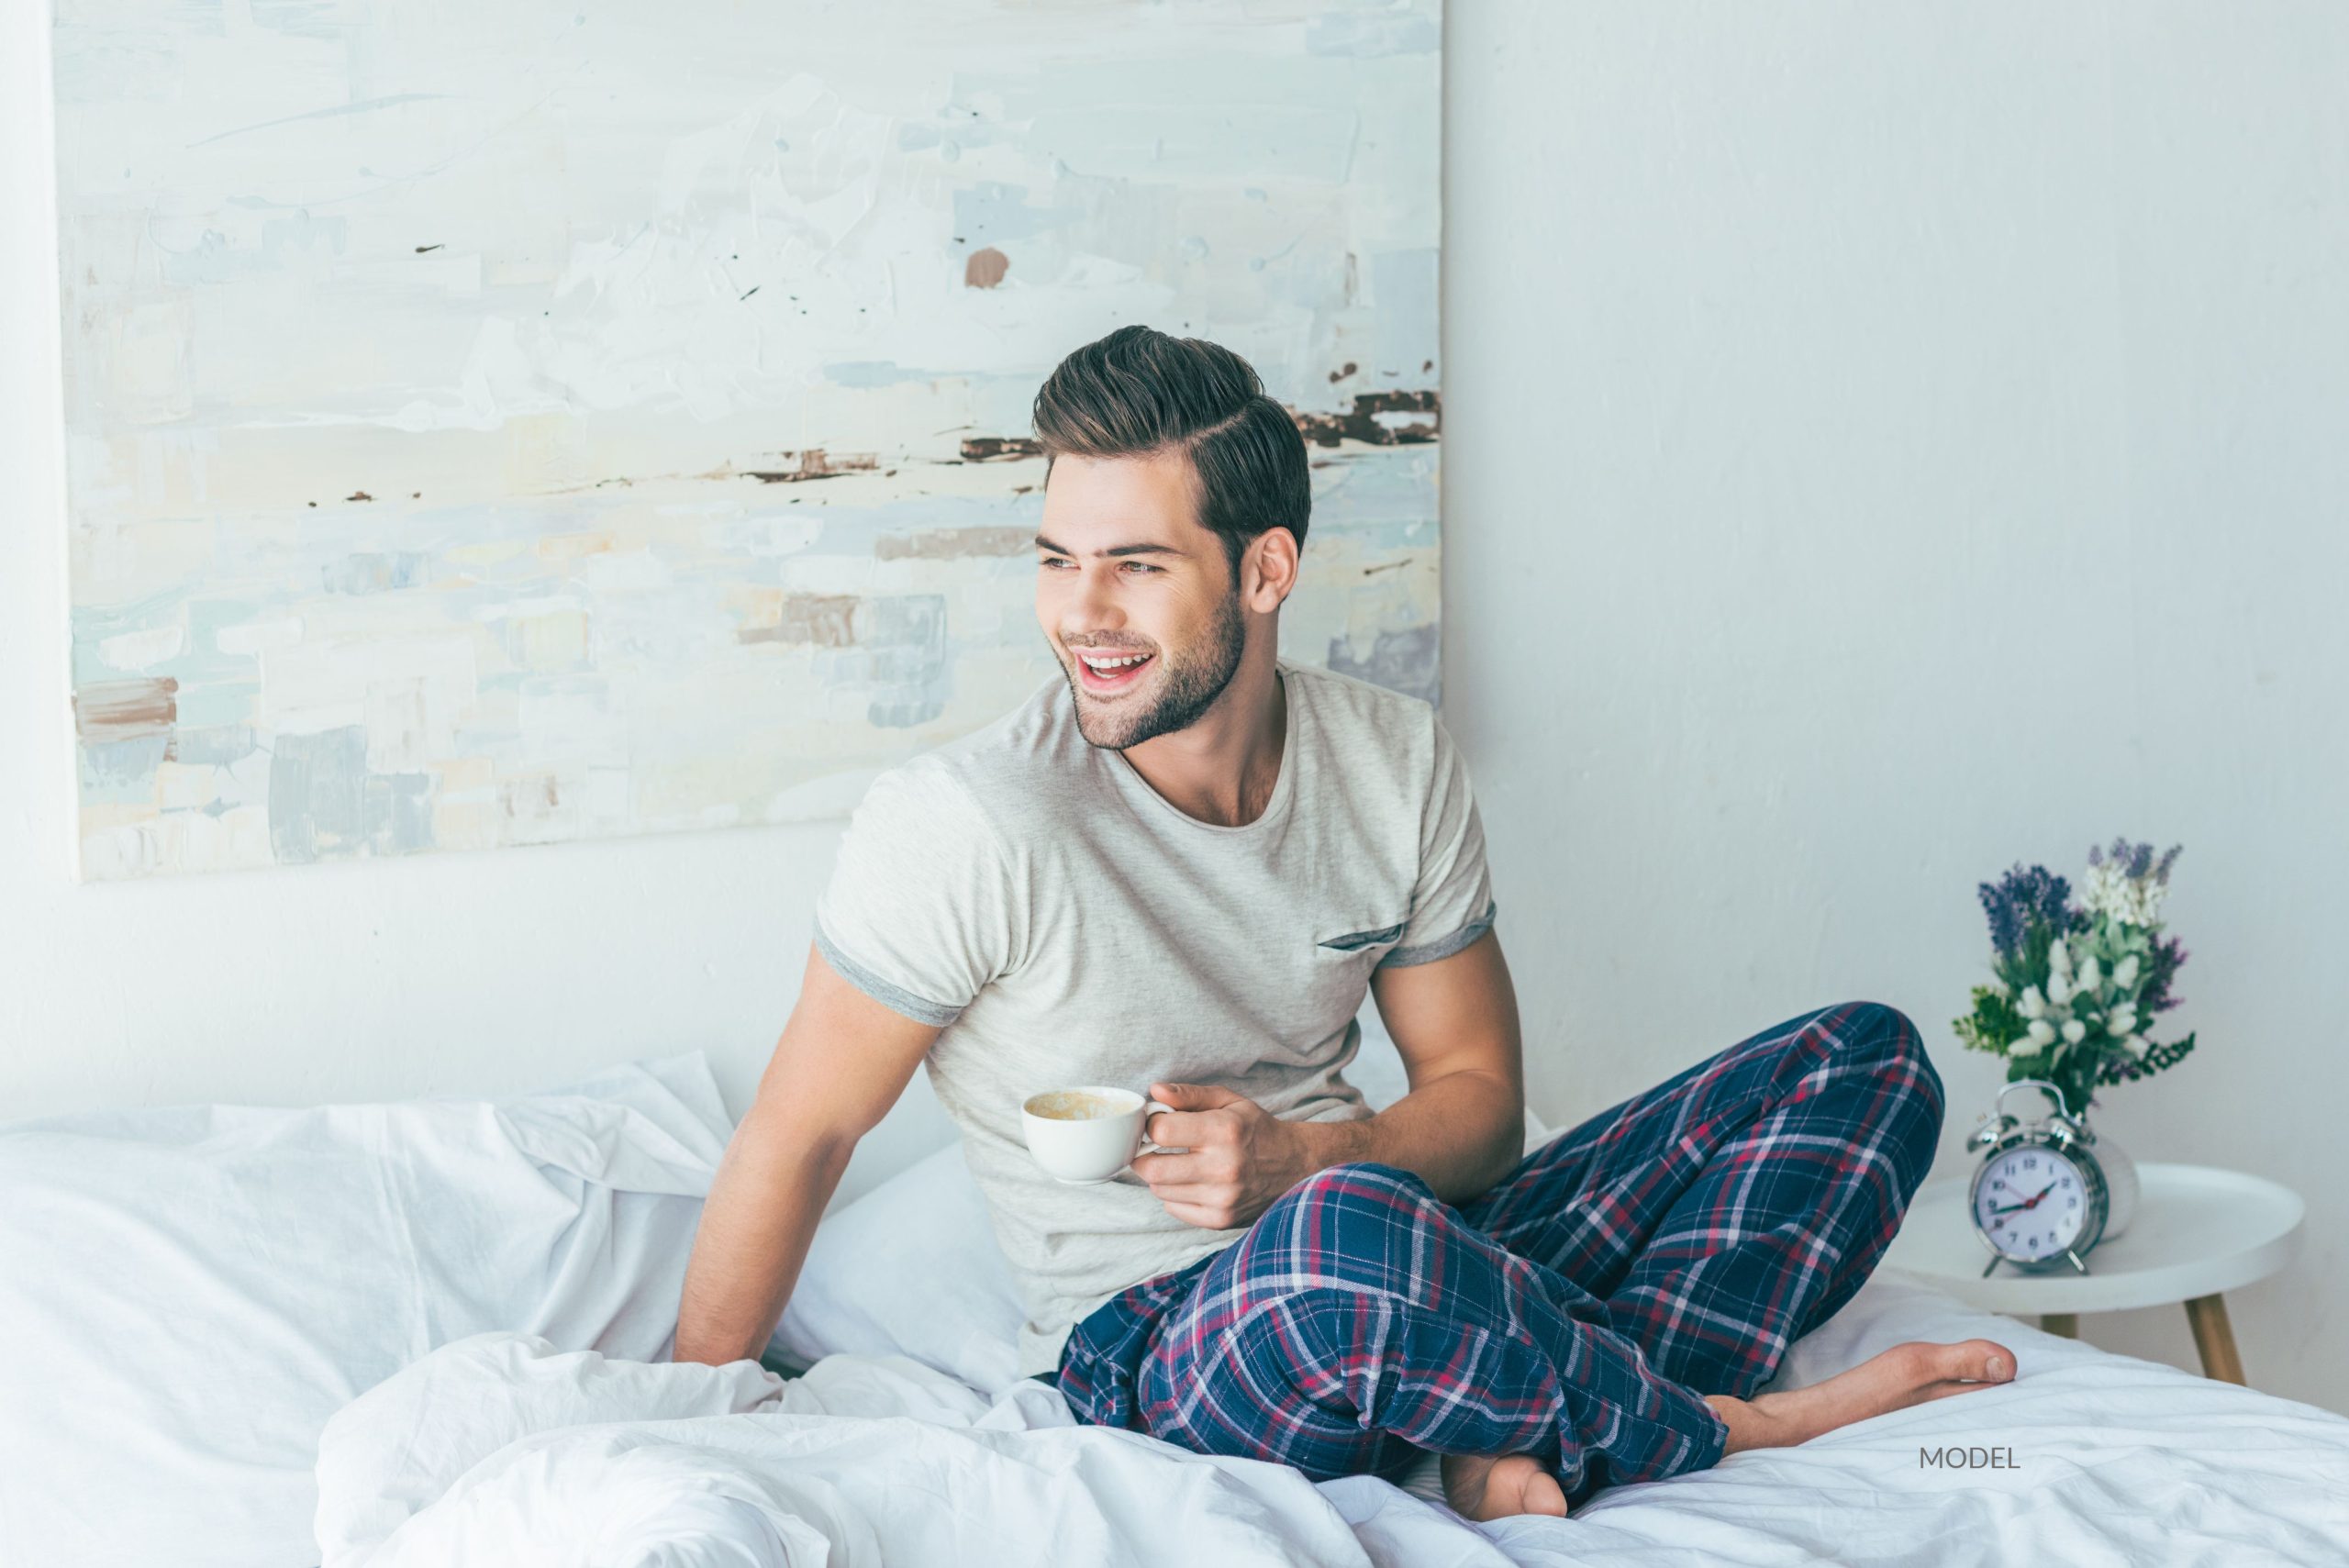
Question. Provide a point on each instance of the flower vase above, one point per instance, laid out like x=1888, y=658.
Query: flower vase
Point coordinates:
x=2120, y=1182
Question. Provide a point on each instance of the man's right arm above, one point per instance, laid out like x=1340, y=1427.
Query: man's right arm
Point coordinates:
x=841, y=1062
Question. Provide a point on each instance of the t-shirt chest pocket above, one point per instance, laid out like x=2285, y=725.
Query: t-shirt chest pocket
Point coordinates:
x=1372, y=939
x=1346, y=949
x=1314, y=979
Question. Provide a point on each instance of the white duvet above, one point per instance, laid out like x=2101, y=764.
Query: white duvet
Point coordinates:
x=497, y=1448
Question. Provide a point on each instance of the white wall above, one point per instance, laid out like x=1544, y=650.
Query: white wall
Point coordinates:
x=1883, y=444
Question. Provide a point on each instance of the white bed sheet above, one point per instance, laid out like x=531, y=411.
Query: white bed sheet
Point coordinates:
x=869, y=1461
x=188, y=1292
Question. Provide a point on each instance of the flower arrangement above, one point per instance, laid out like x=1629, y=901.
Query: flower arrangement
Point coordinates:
x=2074, y=988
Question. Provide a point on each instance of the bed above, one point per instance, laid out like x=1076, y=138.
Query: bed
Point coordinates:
x=438, y=1333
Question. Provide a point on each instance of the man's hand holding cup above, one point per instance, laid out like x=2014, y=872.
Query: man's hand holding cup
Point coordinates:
x=1232, y=1156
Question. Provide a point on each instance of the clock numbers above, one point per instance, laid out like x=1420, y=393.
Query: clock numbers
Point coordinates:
x=2028, y=1202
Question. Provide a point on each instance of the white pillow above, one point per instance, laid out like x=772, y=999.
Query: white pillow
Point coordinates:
x=187, y=1293
x=909, y=1268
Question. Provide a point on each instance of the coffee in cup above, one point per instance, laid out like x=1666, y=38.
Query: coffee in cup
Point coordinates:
x=1087, y=1134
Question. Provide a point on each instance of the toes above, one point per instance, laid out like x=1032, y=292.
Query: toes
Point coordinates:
x=1972, y=1361
x=1988, y=1361
x=1488, y=1488
x=1466, y=1480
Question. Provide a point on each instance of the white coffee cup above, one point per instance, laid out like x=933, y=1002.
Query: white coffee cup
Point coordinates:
x=1090, y=1133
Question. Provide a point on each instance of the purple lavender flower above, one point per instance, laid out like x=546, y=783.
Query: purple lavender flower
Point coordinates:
x=2005, y=921
x=2168, y=953
x=2133, y=860
x=2127, y=860
x=2020, y=898
x=2055, y=904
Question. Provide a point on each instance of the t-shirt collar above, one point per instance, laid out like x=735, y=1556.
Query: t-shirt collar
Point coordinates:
x=1130, y=777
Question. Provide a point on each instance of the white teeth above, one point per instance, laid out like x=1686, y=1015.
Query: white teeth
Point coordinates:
x=1113, y=663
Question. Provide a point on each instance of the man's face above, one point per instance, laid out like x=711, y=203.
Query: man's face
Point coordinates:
x=1125, y=571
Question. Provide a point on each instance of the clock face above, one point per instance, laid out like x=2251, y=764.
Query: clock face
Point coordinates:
x=2031, y=1203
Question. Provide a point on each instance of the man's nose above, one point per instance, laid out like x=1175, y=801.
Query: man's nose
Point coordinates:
x=1093, y=608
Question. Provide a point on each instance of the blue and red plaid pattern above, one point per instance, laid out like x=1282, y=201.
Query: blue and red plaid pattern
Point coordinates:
x=1670, y=1247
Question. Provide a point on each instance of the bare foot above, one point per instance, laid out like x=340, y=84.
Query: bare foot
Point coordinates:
x=1494, y=1487
x=1904, y=1375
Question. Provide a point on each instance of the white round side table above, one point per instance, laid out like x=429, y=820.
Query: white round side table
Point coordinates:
x=2199, y=1232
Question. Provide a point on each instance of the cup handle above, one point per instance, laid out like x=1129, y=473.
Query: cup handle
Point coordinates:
x=1146, y=1147
x=1149, y=1110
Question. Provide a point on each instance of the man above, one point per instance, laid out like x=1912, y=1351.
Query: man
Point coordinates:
x=1184, y=873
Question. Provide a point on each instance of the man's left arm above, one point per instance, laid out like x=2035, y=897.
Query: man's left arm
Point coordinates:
x=1461, y=1128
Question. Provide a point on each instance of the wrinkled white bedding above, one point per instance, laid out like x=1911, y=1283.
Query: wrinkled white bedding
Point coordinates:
x=499, y=1450
x=187, y=1293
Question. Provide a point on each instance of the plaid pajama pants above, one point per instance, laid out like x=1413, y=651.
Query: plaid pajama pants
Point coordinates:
x=1671, y=1247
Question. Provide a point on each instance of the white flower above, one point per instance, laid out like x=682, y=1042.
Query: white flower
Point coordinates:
x=2059, y=956
x=2025, y=1046
x=2042, y=1031
x=2033, y=1005
x=2097, y=889
x=2091, y=976
x=2108, y=890
x=2123, y=1021
x=2059, y=988
x=2124, y=973
x=2074, y=1031
x=2134, y=1045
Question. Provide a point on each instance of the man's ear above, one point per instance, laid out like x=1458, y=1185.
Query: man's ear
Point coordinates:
x=1269, y=569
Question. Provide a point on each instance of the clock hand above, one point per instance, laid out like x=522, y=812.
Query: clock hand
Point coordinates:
x=2027, y=1202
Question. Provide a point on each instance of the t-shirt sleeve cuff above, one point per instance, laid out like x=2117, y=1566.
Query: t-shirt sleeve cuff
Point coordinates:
x=1428, y=953
x=897, y=998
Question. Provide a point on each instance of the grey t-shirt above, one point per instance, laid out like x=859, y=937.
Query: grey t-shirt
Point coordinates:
x=1067, y=925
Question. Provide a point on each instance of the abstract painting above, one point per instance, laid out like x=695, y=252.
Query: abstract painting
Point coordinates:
x=501, y=424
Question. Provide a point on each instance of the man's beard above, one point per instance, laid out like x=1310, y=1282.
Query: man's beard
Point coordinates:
x=1187, y=688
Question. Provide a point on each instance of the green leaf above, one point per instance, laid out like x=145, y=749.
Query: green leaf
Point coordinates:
x=2121, y=1070
x=1993, y=1024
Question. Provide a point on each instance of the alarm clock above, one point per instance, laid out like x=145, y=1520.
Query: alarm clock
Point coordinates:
x=2040, y=1199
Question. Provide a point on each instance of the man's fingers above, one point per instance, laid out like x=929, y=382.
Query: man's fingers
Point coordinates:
x=1194, y=1121
x=1194, y=1096
x=1188, y=1130
x=1222, y=1192
x=1200, y=1186
x=1165, y=1170
x=1162, y=1171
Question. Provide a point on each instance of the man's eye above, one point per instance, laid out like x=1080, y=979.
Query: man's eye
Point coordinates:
x=1142, y=566
x=1053, y=561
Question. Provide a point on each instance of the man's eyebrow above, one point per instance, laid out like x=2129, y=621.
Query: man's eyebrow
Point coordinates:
x=1044, y=543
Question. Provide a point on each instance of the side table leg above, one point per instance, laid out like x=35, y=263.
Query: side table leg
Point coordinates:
x=2063, y=1325
x=2214, y=1339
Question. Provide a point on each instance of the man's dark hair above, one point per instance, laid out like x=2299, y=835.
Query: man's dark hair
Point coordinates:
x=1139, y=391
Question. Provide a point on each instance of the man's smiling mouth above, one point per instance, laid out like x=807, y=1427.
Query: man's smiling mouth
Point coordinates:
x=1112, y=672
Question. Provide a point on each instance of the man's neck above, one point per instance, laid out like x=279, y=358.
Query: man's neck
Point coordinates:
x=1222, y=768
